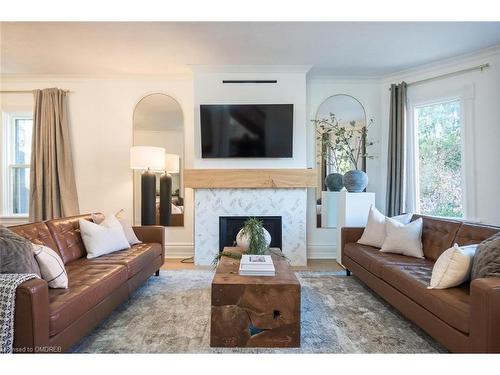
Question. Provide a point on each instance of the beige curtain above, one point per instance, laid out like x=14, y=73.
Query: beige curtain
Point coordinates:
x=52, y=179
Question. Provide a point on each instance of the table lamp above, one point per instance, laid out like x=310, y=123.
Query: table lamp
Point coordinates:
x=148, y=159
x=171, y=166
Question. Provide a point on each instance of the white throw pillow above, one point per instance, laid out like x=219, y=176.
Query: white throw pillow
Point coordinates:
x=453, y=267
x=403, y=239
x=104, y=238
x=127, y=227
x=375, y=231
x=51, y=266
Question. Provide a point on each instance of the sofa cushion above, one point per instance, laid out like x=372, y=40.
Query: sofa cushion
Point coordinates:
x=450, y=305
x=373, y=260
x=66, y=234
x=135, y=258
x=437, y=235
x=470, y=234
x=37, y=233
x=88, y=285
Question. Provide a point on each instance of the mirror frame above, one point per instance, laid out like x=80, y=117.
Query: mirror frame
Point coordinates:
x=322, y=169
x=181, y=169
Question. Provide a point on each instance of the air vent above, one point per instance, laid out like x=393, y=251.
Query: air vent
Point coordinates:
x=250, y=81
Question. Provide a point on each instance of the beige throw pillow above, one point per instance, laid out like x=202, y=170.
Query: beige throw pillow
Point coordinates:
x=51, y=266
x=403, y=239
x=102, y=239
x=453, y=267
x=375, y=231
x=127, y=227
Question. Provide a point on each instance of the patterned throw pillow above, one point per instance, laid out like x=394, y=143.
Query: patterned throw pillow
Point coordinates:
x=16, y=254
x=487, y=259
x=51, y=266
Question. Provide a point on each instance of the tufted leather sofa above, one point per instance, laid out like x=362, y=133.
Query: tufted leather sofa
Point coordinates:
x=52, y=320
x=464, y=319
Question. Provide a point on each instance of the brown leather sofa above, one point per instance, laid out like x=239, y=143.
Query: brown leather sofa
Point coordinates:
x=52, y=320
x=464, y=319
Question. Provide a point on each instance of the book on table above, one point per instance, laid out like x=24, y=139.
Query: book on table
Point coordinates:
x=256, y=265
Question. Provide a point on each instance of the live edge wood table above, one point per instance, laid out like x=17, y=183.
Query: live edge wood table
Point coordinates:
x=254, y=311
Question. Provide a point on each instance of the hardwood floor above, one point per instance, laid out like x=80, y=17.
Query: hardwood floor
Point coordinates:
x=312, y=265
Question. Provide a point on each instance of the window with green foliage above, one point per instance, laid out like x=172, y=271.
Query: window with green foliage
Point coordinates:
x=439, y=167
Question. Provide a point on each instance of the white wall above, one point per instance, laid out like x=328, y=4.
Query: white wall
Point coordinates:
x=321, y=241
x=101, y=112
x=485, y=121
x=290, y=89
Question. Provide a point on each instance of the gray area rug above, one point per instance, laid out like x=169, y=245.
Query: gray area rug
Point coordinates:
x=171, y=314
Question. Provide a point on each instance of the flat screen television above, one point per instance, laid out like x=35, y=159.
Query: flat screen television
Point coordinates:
x=246, y=130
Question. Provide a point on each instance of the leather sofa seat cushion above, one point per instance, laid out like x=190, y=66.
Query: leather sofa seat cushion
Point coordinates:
x=89, y=284
x=373, y=260
x=134, y=259
x=450, y=305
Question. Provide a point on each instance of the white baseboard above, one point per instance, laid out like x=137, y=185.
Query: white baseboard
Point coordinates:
x=317, y=251
x=174, y=251
x=179, y=250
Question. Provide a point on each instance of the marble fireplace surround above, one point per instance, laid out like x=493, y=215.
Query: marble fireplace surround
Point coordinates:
x=289, y=203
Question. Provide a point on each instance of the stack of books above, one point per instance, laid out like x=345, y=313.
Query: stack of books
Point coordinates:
x=257, y=265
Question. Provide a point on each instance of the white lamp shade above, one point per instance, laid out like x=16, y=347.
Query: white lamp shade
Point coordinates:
x=145, y=157
x=172, y=162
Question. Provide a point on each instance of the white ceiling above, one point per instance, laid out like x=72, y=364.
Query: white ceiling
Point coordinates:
x=339, y=48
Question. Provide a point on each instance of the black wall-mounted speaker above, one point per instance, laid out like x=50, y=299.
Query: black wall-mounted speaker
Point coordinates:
x=250, y=81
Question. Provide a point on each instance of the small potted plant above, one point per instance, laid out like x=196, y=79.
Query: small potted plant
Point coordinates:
x=253, y=238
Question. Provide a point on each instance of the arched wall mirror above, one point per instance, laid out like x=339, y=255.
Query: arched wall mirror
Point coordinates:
x=158, y=121
x=338, y=117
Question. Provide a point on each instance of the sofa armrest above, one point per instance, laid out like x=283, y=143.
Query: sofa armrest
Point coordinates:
x=31, y=318
x=485, y=315
x=151, y=233
x=349, y=235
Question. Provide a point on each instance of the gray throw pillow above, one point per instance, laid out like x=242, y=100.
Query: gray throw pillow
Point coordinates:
x=487, y=259
x=16, y=254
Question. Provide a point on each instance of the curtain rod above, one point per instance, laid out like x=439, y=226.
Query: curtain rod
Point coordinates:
x=477, y=67
x=23, y=91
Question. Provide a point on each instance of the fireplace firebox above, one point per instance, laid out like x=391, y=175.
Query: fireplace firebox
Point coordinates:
x=229, y=226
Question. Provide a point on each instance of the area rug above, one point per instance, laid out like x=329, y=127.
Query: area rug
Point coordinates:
x=171, y=314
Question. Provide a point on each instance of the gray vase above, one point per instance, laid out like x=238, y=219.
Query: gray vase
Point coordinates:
x=334, y=182
x=355, y=181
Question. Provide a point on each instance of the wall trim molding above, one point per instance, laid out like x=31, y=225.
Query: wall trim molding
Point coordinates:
x=245, y=69
x=29, y=78
x=444, y=64
x=179, y=250
x=320, y=251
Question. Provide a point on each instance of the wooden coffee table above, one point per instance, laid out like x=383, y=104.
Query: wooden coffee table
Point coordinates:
x=254, y=311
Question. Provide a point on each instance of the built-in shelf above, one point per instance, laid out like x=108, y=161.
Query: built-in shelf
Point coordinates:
x=249, y=178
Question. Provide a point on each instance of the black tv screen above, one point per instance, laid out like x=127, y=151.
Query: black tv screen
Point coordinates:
x=246, y=130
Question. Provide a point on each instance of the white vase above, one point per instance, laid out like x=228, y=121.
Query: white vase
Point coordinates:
x=243, y=241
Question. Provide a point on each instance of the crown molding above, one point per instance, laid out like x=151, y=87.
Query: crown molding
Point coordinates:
x=249, y=69
x=14, y=77
x=444, y=64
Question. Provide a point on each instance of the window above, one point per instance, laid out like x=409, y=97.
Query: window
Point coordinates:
x=16, y=163
x=439, y=156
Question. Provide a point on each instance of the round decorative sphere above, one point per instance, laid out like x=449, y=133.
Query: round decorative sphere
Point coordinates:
x=355, y=181
x=243, y=241
x=334, y=182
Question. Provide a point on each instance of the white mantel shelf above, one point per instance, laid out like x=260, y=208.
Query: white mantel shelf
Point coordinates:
x=249, y=178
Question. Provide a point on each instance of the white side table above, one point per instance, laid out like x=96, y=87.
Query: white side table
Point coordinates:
x=343, y=209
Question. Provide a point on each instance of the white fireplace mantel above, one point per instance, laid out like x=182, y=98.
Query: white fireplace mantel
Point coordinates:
x=289, y=203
